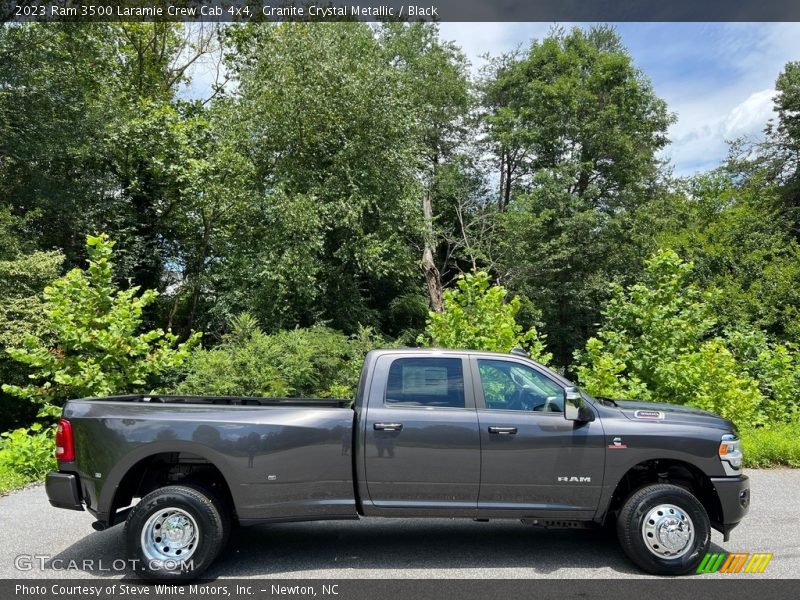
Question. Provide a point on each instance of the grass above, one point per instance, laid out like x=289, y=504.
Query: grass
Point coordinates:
x=778, y=445
x=10, y=481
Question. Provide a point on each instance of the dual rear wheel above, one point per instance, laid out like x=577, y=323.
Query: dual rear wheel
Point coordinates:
x=176, y=532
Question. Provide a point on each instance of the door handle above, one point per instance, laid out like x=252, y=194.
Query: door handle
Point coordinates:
x=387, y=426
x=502, y=430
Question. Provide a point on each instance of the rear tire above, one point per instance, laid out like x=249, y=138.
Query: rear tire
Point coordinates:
x=175, y=533
x=664, y=529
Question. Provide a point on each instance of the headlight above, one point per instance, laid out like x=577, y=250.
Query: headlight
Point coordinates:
x=730, y=453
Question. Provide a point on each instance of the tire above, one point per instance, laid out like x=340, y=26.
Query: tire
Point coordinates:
x=664, y=529
x=224, y=509
x=194, y=527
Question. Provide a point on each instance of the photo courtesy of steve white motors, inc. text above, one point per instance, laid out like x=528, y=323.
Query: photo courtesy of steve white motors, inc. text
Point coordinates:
x=85, y=591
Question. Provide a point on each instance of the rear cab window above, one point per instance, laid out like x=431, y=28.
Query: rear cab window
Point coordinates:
x=431, y=382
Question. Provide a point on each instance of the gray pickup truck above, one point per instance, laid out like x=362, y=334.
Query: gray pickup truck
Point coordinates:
x=433, y=433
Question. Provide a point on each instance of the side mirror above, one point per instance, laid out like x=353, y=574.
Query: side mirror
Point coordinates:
x=575, y=408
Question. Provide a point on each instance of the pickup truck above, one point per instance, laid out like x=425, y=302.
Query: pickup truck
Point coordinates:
x=432, y=433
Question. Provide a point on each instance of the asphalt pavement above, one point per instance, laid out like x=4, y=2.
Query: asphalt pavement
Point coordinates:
x=38, y=541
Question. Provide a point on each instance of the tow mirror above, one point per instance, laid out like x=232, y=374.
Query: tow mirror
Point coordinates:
x=575, y=408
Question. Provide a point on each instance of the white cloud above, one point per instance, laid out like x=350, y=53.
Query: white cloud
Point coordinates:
x=730, y=95
x=700, y=140
x=749, y=117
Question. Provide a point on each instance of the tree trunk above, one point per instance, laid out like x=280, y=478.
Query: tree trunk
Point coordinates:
x=432, y=276
x=208, y=223
x=507, y=191
x=502, y=180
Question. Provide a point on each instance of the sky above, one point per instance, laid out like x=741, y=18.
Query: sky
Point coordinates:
x=718, y=78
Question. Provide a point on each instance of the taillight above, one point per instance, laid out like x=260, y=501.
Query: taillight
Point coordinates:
x=65, y=445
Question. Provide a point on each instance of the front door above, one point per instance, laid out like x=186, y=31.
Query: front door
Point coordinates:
x=422, y=446
x=533, y=460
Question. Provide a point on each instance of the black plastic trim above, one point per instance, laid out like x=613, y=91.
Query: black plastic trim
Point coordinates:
x=62, y=490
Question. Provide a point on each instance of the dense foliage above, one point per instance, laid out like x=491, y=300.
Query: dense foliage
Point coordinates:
x=477, y=316
x=25, y=455
x=313, y=362
x=343, y=186
x=94, y=346
x=657, y=343
x=24, y=273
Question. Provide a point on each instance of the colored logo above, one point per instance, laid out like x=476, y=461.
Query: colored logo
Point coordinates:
x=734, y=562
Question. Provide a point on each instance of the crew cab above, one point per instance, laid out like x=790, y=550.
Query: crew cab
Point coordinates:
x=432, y=433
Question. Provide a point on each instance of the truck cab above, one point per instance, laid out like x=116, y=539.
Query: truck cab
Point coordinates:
x=476, y=434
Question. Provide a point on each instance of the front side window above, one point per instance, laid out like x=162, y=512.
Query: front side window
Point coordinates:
x=513, y=386
x=427, y=382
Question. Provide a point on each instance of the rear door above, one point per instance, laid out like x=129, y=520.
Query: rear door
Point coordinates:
x=422, y=446
x=533, y=461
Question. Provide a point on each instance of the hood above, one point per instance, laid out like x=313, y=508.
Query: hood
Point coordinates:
x=671, y=413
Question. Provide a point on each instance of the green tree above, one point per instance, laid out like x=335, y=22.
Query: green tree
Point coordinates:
x=740, y=241
x=577, y=128
x=218, y=191
x=93, y=135
x=786, y=139
x=97, y=345
x=332, y=232
x=773, y=163
x=658, y=343
x=433, y=76
x=476, y=316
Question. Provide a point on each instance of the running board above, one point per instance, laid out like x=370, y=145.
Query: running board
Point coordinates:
x=559, y=524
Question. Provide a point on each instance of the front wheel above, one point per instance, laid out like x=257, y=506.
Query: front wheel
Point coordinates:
x=175, y=533
x=664, y=529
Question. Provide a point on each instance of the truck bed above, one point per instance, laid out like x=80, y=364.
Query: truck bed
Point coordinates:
x=281, y=458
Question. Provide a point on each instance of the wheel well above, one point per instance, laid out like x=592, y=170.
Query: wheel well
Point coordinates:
x=168, y=468
x=675, y=472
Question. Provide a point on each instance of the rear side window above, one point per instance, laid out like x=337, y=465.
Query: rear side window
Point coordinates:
x=427, y=382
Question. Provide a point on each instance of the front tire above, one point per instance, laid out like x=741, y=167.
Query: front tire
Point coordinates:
x=664, y=529
x=175, y=533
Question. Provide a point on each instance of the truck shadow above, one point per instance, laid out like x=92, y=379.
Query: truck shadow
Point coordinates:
x=418, y=548
x=383, y=548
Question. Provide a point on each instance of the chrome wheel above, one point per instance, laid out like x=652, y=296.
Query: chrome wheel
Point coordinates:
x=668, y=531
x=170, y=535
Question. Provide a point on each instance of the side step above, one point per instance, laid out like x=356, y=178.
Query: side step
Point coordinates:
x=559, y=524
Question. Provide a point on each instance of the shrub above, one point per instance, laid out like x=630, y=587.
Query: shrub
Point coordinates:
x=776, y=368
x=476, y=316
x=711, y=379
x=26, y=455
x=658, y=343
x=315, y=361
x=23, y=277
x=97, y=345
